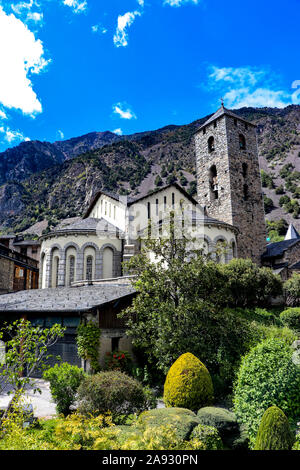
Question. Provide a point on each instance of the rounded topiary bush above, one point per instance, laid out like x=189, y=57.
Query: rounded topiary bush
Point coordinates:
x=113, y=392
x=208, y=435
x=291, y=319
x=181, y=420
x=188, y=384
x=267, y=376
x=274, y=431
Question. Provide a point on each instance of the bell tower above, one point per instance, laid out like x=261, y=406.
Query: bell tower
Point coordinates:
x=228, y=178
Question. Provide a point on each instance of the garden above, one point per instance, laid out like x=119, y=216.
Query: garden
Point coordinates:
x=209, y=346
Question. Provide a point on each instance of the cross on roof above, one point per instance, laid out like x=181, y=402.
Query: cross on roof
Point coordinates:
x=222, y=102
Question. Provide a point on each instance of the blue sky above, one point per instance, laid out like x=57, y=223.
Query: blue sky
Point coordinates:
x=69, y=67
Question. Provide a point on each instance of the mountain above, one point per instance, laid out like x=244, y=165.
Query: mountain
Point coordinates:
x=42, y=181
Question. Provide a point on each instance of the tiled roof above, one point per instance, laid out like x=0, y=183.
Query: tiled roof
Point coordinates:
x=221, y=112
x=63, y=299
x=278, y=248
x=89, y=224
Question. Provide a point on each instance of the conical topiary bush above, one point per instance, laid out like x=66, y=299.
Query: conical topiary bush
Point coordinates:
x=274, y=431
x=188, y=384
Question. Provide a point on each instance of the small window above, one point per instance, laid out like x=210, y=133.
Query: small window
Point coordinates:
x=204, y=130
x=173, y=200
x=156, y=206
x=89, y=268
x=115, y=344
x=246, y=192
x=165, y=202
x=215, y=124
x=214, y=182
x=149, y=210
x=245, y=170
x=235, y=122
x=211, y=144
x=242, y=142
x=246, y=126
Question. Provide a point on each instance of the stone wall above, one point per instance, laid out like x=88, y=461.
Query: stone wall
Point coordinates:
x=6, y=275
x=234, y=205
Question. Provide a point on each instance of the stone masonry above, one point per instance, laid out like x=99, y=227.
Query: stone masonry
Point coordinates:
x=239, y=195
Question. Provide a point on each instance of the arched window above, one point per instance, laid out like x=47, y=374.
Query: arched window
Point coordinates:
x=242, y=142
x=108, y=258
x=245, y=170
x=89, y=268
x=221, y=251
x=213, y=177
x=233, y=249
x=71, y=269
x=55, y=266
x=211, y=144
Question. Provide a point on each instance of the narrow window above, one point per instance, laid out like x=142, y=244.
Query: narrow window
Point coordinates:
x=149, y=210
x=109, y=209
x=214, y=186
x=173, y=200
x=71, y=269
x=165, y=202
x=246, y=192
x=114, y=212
x=211, y=144
x=242, y=142
x=245, y=170
x=215, y=124
x=204, y=130
x=235, y=122
x=105, y=208
x=89, y=268
x=156, y=206
x=115, y=344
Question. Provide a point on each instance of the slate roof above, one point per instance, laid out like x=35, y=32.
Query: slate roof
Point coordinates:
x=221, y=112
x=277, y=249
x=63, y=299
x=90, y=225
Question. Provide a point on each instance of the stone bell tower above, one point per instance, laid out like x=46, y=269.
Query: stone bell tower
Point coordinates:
x=228, y=179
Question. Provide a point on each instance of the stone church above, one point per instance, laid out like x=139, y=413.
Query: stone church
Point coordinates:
x=227, y=211
x=82, y=276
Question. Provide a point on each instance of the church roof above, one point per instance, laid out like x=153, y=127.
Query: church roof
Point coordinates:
x=291, y=233
x=129, y=200
x=223, y=112
x=277, y=249
x=90, y=225
x=64, y=299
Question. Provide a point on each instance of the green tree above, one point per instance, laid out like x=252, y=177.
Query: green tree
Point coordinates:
x=26, y=352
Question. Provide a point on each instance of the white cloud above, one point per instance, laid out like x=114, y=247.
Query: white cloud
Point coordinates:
x=124, y=21
x=76, y=5
x=179, y=3
x=118, y=131
x=60, y=134
x=21, y=55
x=248, y=87
x=141, y=3
x=3, y=115
x=12, y=136
x=98, y=28
x=35, y=17
x=124, y=113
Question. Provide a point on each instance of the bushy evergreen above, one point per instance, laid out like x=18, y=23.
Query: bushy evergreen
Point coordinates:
x=274, y=432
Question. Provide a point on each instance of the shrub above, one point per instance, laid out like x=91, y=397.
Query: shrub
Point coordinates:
x=64, y=381
x=292, y=290
x=208, y=435
x=267, y=376
x=249, y=285
x=180, y=419
x=118, y=360
x=88, y=342
x=188, y=384
x=274, y=431
x=291, y=318
x=223, y=420
x=113, y=392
